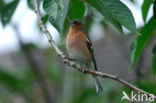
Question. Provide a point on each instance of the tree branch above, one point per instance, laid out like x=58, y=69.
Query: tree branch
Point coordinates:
x=80, y=67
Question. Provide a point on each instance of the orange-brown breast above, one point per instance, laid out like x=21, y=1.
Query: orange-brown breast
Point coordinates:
x=77, y=46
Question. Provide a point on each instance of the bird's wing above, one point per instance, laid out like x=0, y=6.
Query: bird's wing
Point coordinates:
x=89, y=45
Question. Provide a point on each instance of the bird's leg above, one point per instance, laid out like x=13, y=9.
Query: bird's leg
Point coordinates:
x=66, y=57
x=84, y=68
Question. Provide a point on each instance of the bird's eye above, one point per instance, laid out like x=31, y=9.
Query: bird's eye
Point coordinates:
x=75, y=22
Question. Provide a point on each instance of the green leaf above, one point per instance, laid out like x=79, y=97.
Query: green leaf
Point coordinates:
x=154, y=60
x=115, y=12
x=132, y=1
x=62, y=11
x=89, y=20
x=141, y=39
x=154, y=9
x=76, y=10
x=105, y=13
x=31, y=4
x=58, y=22
x=14, y=83
x=147, y=86
x=145, y=8
x=60, y=3
x=2, y=5
x=45, y=19
x=8, y=11
x=51, y=7
x=65, y=29
x=9, y=80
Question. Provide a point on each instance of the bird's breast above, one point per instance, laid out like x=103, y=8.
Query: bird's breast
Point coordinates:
x=77, y=55
x=77, y=48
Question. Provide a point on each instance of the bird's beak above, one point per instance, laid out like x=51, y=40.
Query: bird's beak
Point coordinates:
x=71, y=22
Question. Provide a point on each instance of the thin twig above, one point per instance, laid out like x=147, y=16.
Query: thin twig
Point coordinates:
x=80, y=67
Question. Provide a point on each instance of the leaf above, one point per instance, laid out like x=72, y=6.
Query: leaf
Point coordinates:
x=89, y=20
x=45, y=19
x=59, y=10
x=76, y=10
x=60, y=3
x=141, y=39
x=50, y=7
x=132, y=1
x=14, y=83
x=2, y=5
x=58, y=22
x=8, y=11
x=154, y=60
x=147, y=86
x=31, y=4
x=9, y=80
x=154, y=9
x=145, y=8
x=105, y=13
x=115, y=12
x=65, y=28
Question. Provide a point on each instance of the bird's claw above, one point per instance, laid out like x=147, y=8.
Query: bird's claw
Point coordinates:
x=84, y=69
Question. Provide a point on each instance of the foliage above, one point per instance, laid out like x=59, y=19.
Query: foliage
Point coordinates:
x=2, y=5
x=9, y=80
x=142, y=38
x=154, y=9
x=113, y=13
x=8, y=11
x=59, y=20
x=76, y=9
x=59, y=12
x=145, y=8
x=146, y=32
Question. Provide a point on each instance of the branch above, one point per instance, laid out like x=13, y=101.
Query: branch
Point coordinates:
x=80, y=67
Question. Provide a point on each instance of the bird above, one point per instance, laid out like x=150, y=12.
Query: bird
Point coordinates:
x=79, y=48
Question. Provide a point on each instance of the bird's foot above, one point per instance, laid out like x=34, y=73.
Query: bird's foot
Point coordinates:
x=84, y=69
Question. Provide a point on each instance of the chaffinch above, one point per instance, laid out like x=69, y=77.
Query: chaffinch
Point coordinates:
x=80, y=49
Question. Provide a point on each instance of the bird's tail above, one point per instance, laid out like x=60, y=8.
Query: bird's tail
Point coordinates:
x=97, y=84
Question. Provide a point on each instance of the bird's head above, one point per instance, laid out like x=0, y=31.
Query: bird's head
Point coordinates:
x=76, y=24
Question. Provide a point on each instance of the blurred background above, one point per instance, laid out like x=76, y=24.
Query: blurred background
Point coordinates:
x=31, y=72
